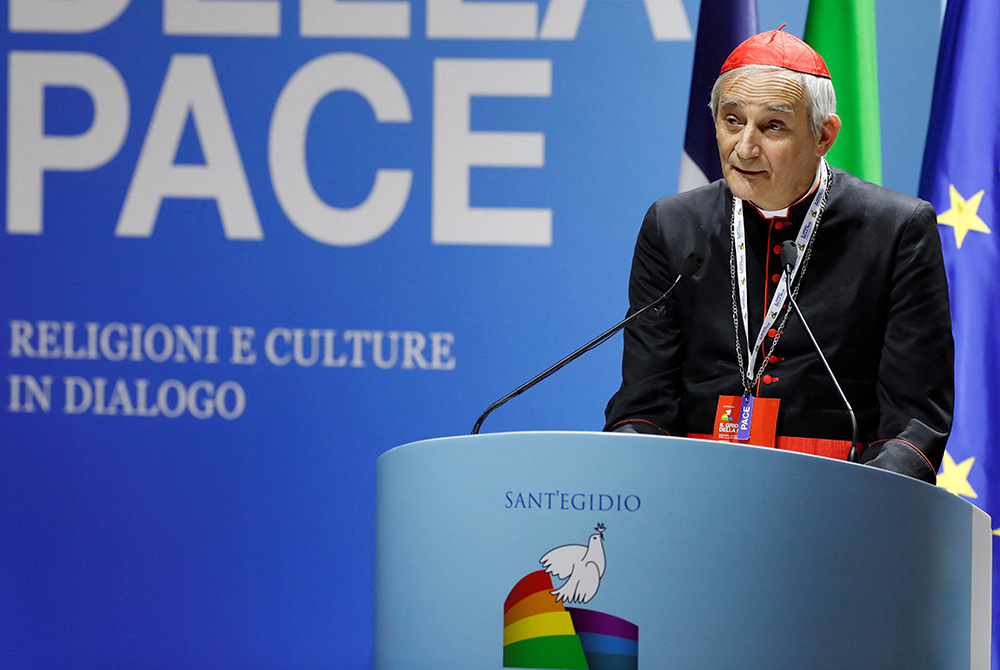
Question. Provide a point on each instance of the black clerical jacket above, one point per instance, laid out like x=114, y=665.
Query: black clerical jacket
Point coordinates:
x=874, y=294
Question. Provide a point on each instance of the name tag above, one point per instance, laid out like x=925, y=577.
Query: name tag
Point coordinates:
x=748, y=420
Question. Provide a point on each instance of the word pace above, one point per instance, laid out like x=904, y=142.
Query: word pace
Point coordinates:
x=192, y=90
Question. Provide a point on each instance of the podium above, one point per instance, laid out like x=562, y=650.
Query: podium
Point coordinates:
x=715, y=555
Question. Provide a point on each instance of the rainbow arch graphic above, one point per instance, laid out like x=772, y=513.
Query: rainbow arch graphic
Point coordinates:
x=539, y=632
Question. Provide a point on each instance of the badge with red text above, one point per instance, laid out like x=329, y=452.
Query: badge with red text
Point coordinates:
x=739, y=416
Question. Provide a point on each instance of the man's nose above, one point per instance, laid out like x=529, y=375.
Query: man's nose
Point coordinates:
x=748, y=144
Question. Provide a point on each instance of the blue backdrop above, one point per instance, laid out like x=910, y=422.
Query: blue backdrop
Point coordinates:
x=249, y=246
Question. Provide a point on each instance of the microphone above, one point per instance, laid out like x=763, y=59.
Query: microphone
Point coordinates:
x=788, y=256
x=688, y=267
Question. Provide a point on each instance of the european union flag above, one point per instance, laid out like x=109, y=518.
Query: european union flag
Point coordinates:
x=961, y=177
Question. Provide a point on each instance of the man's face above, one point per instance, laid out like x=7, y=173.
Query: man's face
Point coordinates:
x=769, y=154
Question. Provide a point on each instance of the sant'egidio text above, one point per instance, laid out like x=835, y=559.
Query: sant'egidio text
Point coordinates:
x=559, y=500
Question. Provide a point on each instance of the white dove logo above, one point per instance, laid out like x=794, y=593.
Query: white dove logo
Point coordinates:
x=581, y=566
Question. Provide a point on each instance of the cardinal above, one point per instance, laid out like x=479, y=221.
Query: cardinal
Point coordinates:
x=581, y=566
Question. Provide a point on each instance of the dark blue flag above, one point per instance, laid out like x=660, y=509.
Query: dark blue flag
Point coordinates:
x=722, y=26
x=961, y=177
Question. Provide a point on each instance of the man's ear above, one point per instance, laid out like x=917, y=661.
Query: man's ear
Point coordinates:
x=827, y=134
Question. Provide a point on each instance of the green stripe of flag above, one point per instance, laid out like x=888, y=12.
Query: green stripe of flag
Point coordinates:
x=843, y=32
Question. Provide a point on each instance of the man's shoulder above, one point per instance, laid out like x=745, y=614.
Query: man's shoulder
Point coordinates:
x=708, y=199
x=853, y=196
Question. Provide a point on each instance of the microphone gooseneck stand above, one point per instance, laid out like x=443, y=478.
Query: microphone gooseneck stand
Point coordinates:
x=690, y=264
x=788, y=255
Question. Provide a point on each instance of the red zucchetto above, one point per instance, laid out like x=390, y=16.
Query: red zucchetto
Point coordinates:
x=780, y=49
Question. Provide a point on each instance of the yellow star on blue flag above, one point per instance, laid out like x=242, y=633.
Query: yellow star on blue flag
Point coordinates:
x=963, y=215
x=954, y=477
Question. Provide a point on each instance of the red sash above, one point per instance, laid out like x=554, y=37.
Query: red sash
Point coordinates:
x=836, y=449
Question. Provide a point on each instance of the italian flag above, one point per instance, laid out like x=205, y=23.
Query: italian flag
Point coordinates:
x=843, y=32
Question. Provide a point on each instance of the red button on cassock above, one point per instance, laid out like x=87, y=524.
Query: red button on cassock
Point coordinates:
x=778, y=225
x=772, y=332
x=775, y=278
x=768, y=379
x=773, y=359
x=777, y=249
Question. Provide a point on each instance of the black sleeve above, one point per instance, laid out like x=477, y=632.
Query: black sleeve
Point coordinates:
x=649, y=398
x=916, y=385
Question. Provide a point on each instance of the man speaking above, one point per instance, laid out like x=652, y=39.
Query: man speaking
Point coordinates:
x=868, y=277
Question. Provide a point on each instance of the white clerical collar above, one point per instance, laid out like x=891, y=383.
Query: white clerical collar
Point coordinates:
x=783, y=213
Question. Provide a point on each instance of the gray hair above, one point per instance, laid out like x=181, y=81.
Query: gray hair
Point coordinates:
x=821, y=101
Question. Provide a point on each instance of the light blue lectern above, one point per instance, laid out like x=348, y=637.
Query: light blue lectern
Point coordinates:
x=691, y=554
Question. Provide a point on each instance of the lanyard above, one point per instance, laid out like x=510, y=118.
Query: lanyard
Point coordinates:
x=802, y=242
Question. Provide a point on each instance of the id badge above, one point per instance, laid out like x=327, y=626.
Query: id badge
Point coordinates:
x=747, y=419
